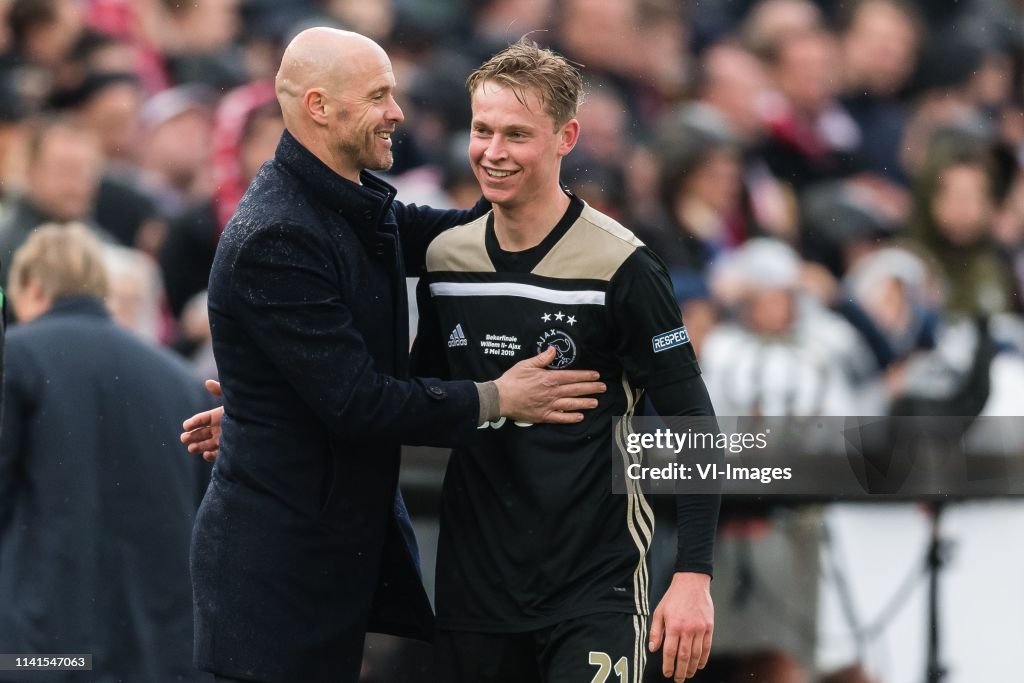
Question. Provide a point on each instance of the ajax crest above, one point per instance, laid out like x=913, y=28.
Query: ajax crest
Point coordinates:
x=565, y=348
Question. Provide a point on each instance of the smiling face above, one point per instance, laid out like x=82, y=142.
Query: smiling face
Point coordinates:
x=365, y=115
x=515, y=148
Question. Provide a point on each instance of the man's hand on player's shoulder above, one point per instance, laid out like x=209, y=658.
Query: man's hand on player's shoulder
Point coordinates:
x=683, y=624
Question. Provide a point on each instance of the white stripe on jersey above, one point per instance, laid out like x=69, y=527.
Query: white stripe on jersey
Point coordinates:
x=639, y=647
x=551, y=296
x=637, y=644
x=636, y=505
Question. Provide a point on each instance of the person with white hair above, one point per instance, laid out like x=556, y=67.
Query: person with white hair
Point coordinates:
x=96, y=502
x=784, y=353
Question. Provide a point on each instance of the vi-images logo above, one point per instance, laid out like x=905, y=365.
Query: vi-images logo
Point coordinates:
x=457, y=338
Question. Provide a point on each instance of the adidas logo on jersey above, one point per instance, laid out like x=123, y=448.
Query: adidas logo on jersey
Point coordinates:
x=457, y=338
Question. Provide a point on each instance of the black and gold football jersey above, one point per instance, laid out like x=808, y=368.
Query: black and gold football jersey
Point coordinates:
x=531, y=533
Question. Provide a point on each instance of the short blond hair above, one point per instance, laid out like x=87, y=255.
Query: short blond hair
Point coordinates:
x=523, y=66
x=66, y=260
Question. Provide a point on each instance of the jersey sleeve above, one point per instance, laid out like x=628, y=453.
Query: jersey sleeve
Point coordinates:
x=654, y=346
x=657, y=355
x=696, y=514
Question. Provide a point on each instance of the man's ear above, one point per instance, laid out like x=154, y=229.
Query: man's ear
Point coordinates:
x=568, y=136
x=31, y=301
x=315, y=103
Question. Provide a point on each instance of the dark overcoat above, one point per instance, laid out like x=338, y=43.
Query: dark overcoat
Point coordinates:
x=296, y=551
x=97, y=499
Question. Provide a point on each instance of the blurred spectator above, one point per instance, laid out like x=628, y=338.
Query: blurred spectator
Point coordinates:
x=102, y=53
x=879, y=42
x=5, y=26
x=438, y=109
x=63, y=172
x=196, y=40
x=96, y=499
x=497, y=23
x=266, y=28
x=770, y=22
x=457, y=179
x=44, y=31
x=13, y=125
x=643, y=48
x=109, y=104
x=784, y=353
x=372, y=19
x=734, y=83
x=135, y=292
x=178, y=127
x=935, y=110
x=605, y=116
x=700, y=189
x=594, y=170
x=953, y=213
x=897, y=291
x=194, y=326
x=812, y=137
x=248, y=126
x=138, y=28
x=893, y=299
x=843, y=220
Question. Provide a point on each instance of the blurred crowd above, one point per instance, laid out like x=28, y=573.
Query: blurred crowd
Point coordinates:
x=835, y=187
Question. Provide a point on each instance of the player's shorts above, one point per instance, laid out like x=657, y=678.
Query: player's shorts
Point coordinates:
x=598, y=648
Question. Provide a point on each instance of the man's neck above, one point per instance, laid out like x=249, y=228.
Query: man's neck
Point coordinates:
x=318, y=146
x=524, y=226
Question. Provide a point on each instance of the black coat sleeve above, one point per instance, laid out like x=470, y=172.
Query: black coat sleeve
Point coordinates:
x=289, y=301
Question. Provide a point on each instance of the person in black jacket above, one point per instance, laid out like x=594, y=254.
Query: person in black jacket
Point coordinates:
x=297, y=550
x=96, y=506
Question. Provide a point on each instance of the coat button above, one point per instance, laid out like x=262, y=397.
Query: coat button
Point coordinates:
x=436, y=391
x=368, y=215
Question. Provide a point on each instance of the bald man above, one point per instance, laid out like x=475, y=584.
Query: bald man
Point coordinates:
x=300, y=544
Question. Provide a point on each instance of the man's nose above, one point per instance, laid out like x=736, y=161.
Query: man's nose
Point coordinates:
x=496, y=148
x=394, y=113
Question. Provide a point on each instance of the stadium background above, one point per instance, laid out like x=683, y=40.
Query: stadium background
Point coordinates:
x=836, y=188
